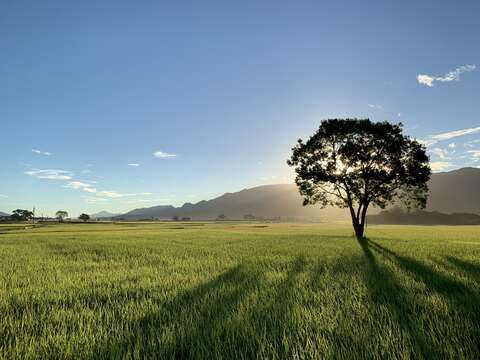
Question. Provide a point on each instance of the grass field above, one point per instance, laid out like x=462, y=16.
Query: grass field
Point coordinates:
x=231, y=290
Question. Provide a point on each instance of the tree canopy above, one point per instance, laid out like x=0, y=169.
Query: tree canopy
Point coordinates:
x=84, y=217
x=21, y=215
x=61, y=214
x=354, y=163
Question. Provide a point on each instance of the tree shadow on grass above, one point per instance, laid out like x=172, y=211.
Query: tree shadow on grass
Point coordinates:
x=209, y=320
x=453, y=290
x=272, y=326
x=385, y=290
x=190, y=325
x=418, y=319
x=468, y=267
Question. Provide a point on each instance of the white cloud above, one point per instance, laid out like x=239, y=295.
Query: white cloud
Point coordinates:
x=433, y=139
x=425, y=80
x=46, y=153
x=399, y=114
x=3, y=196
x=78, y=185
x=86, y=171
x=452, y=145
x=108, y=194
x=475, y=154
x=374, y=106
x=50, y=174
x=453, y=75
x=439, y=152
x=163, y=155
x=134, y=164
x=439, y=165
x=471, y=144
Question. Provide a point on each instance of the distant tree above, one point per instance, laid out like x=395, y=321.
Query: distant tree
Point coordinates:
x=221, y=217
x=84, y=217
x=61, y=214
x=21, y=215
x=186, y=218
x=175, y=218
x=354, y=163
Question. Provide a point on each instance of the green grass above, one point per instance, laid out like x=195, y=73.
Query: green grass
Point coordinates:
x=193, y=290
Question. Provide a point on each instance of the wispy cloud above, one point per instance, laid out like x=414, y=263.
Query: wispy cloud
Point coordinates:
x=164, y=155
x=374, y=106
x=3, y=196
x=475, y=154
x=40, y=152
x=440, y=153
x=51, y=174
x=453, y=75
x=86, y=171
x=134, y=164
x=110, y=194
x=433, y=139
x=440, y=165
x=452, y=145
x=78, y=185
x=472, y=143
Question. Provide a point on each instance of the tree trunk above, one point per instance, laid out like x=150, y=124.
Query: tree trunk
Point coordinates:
x=358, y=225
x=359, y=229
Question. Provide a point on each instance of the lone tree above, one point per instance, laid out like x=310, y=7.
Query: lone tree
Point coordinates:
x=21, y=215
x=61, y=214
x=354, y=163
x=84, y=217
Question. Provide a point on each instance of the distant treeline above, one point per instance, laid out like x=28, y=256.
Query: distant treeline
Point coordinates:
x=400, y=217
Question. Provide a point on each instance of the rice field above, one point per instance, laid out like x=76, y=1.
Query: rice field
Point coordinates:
x=238, y=290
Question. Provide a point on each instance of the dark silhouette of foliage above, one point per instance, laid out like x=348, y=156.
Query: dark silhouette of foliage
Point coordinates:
x=61, y=214
x=84, y=217
x=354, y=163
x=21, y=215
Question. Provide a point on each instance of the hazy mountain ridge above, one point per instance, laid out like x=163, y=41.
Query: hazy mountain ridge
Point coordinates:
x=4, y=214
x=454, y=191
x=103, y=214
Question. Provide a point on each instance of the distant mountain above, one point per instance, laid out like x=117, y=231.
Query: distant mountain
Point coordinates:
x=4, y=214
x=454, y=191
x=103, y=214
x=270, y=201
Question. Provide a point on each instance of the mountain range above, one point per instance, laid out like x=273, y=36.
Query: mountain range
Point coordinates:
x=453, y=191
x=103, y=214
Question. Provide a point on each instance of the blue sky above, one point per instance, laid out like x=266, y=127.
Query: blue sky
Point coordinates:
x=219, y=91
